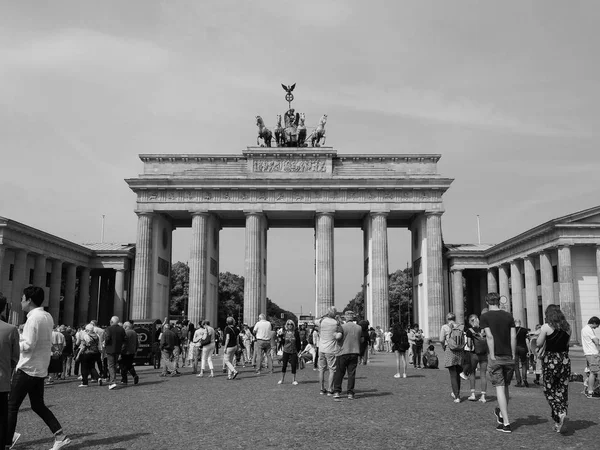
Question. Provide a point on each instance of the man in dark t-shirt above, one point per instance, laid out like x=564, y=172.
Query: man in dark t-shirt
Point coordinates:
x=500, y=332
x=522, y=335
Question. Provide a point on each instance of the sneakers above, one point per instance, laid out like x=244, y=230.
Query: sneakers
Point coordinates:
x=456, y=400
x=100, y=381
x=61, y=444
x=235, y=374
x=452, y=394
x=136, y=379
x=590, y=395
x=323, y=392
x=329, y=393
x=280, y=381
x=16, y=437
x=351, y=397
x=482, y=399
x=295, y=383
x=403, y=375
x=504, y=428
x=83, y=385
x=472, y=397
x=559, y=426
x=397, y=375
x=80, y=377
x=200, y=375
x=112, y=386
x=498, y=415
x=337, y=397
x=464, y=376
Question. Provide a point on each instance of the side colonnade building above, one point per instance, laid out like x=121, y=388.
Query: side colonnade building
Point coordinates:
x=81, y=282
x=557, y=262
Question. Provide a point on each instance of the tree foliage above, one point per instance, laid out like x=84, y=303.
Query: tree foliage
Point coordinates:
x=180, y=282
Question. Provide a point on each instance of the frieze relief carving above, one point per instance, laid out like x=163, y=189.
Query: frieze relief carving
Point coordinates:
x=289, y=196
x=289, y=165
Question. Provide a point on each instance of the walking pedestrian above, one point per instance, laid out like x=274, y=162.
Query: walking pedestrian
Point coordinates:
x=453, y=355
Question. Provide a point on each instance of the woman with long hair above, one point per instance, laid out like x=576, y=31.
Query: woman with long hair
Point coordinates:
x=400, y=345
x=478, y=355
x=553, y=349
x=230, y=347
x=291, y=348
x=452, y=358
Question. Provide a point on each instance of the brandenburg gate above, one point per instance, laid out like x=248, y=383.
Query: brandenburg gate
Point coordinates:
x=294, y=187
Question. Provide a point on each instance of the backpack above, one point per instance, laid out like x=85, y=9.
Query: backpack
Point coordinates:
x=456, y=339
x=419, y=340
x=480, y=345
x=310, y=339
x=403, y=343
x=93, y=346
x=432, y=361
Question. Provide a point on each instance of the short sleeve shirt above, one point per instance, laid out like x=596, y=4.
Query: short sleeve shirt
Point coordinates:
x=500, y=323
x=587, y=334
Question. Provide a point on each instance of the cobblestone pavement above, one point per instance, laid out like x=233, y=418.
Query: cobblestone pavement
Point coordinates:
x=253, y=411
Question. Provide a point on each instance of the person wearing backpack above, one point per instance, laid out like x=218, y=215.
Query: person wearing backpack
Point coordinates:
x=400, y=345
x=477, y=356
x=452, y=338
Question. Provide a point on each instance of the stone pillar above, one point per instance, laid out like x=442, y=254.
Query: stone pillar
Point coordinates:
x=598, y=275
x=458, y=296
x=380, y=302
x=547, y=280
x=118, y=301
x=84, y=296
x=503, y=286
x=142, y=282
x=39, y=271
x=492, y=280
x=55, y=283
x=531, y=298
x=517, y=291
x=70, y=283
x=198, y=267
x=566, y=294
x=482, y=288
x=255, y=267
x=18, y=284
x=435, y=297
x=2, y=253
x=94, y=293
x=324, y=231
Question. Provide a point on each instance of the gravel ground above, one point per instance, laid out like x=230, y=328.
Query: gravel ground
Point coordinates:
x=253, y=411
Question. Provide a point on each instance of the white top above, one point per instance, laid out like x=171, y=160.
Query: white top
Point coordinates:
x=36, y=343
x=262, y=330
x=589, y=346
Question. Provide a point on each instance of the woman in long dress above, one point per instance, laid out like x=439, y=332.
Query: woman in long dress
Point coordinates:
x=554, y=337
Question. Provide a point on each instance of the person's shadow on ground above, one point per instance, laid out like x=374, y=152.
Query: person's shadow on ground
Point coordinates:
x=529, y=420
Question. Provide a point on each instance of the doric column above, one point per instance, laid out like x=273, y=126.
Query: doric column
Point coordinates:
x=547, y=279
x=2, y=253
x=255, y=267
x=143, y=267
x=458, y=296
x=94, y=293
x=39, y=271
x=492, y=280
x=198, y=267
x=517, y=291
x=380, y=274
x=503, y=286
x=598, y=275
x=118, y=300
x=55, y=283
x=70, y=283
x=531, y=298
x=435, y=297
x=18, y=284
x=324, y=231
x=84, y=296
x=566, y=294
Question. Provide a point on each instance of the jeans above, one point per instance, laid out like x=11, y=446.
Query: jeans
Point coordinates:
x=207, y=351
x=21, y=386
x=349, y=363
x=167, y=363
x=292, y=358
x=260, y=347
x=87, y=368
x=113, y=360
x=127, y=367
x=67, y=363
x=521, y=357
x=228, y=357
x=455, y=379
x=417, y=351
x=327, y=361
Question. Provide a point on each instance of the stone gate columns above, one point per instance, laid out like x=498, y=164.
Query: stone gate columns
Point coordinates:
x=39, y=271
x=565, y=279
x=458, y=296
x=69, y=309
x=18, y=285
x=2, y=253
x=198, y=265
x=379, y=303
x=255, y=279
x=119, y=296
x=94, y=294
x=435, y=296
x=84, y=296
x=492, y=280
x=598, y=273
x=143, y=267
x=547, y=280
x=517, y=291
x=55, y=282
x=324, y=230
x=503, y=286
x=531, y=298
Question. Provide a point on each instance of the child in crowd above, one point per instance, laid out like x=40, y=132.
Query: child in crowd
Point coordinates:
x=430, y=358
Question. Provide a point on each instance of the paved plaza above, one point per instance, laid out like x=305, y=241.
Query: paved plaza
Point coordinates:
x=254, y=412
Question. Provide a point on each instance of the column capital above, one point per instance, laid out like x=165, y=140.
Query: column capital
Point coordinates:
x=145, y=213
x=453, y=270
x=325, y=212
x=200, y=212
x=254, y=213
x=434, y=213
x=383, y=213
x=559, y=246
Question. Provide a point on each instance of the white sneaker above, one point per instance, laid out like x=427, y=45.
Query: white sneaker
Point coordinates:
x=457, y=400
x=279, y=382
x=472, y=397
x=482, y=399
x=111, y=387
x=295, y=383
x=83, y=385
x=80, y=377
x=397, y=375
x=61, y=444
x=16, y=437
x=463, y=376
x=403, y=375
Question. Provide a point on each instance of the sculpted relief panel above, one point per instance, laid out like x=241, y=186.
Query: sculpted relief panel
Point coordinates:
x=289, y=165
x=289, y=196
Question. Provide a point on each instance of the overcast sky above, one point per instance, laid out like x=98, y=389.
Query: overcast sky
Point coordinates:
x=507, y=92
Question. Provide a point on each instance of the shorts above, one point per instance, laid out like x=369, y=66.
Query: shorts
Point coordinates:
x=593, y=362
x=501, y=370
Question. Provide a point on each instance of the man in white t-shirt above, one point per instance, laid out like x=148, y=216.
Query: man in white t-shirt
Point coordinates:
x=262, y=331
x=590, y=342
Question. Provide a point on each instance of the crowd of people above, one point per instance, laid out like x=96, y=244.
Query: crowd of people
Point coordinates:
x=40, y=353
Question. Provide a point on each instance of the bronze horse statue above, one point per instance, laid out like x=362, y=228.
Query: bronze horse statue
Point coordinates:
x=319, y=133
x=263, y=133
